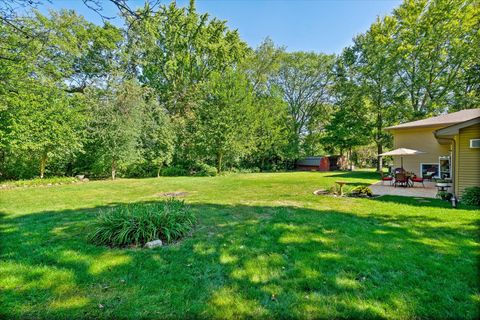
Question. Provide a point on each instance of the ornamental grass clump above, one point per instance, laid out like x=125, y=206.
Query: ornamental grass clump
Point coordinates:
x=136, y=224
x=361, y=191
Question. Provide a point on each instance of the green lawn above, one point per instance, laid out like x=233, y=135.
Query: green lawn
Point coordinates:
x=264, y=246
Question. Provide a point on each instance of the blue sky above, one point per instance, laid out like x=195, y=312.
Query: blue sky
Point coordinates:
x=309, y=25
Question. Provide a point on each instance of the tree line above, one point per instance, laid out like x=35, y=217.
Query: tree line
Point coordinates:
x=178, y=92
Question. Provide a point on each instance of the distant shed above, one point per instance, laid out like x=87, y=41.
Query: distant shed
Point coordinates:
x=314, y=164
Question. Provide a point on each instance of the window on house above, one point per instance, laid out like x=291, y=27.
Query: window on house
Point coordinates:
x=430, y=170
x=474, y=143
x=445, y=167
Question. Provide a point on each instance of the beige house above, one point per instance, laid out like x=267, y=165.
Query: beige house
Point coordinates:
x=451, y=144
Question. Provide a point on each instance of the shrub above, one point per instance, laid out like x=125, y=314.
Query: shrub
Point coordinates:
x=204, y=170
x=136, y=224
x=332, y=190
x=174, y=171
x=335, y=189
x=444, y=195
x=361, y=191
x=471, y=196
x=38, y=182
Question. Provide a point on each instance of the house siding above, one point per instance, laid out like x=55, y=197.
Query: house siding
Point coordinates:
x=421, y=139
x=457, y=156
x=468, y=160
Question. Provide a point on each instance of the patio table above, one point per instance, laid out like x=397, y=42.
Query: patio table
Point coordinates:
x=408, y=176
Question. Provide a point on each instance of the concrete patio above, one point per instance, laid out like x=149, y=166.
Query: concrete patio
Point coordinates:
x=384, y=188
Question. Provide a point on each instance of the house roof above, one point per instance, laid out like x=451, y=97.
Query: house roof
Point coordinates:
x=309, y=161
x=454, y=129
x=443, y=120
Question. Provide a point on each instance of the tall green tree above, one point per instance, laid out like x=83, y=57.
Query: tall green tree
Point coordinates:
x=158, y=137
x=116, y=124
x=224, y=117
x=78, y=53
x=304, y=79
x=270, y=125
x=174, y=51
x=177, y=49
x=349, y=125
x=47, y=64
x=373, y=67
x=432, y=44
x=43, y=124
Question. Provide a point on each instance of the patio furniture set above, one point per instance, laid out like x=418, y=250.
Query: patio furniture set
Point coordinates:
x=403, y=178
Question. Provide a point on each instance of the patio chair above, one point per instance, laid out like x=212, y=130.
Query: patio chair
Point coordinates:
x=417, y=180
x=388, y=178
x=399, y=170
x=401, y=179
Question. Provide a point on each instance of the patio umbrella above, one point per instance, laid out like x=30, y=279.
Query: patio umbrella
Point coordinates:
x=402, y=152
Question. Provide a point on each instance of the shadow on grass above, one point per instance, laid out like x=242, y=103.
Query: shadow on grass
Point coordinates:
x=243, y=261
x=421, y=202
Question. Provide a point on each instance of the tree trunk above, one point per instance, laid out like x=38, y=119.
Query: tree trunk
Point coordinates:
x=43, y=164
x=114, y=169
x=158, y=170
x=219, y=162
x=350, y=162
x=379, y=157
x=379, y=141
x=2, y=163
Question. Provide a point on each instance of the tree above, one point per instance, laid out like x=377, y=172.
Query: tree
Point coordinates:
x=431, y=46
x=174, y=51
x=270, y=124
x=158, y=139
x=349, y=125
x=304, y=79
x=373, y=68
x=117, y=123
x=177, y=49
x=9, y=14
x=271, y=134
x=43, y=123
x=79, y=54
x=223, y=118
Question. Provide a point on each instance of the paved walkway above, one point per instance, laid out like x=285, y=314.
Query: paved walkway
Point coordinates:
x=430, y=191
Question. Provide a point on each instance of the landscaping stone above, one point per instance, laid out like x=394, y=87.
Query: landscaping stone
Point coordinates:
x=320, y=192
x=154, y=244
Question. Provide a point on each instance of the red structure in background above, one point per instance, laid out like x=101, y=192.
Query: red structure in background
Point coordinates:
x=326, y=163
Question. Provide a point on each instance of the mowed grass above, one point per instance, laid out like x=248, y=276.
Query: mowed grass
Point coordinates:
x=264, y=246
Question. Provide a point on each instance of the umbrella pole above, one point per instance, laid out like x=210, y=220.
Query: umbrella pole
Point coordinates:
x=401, y=161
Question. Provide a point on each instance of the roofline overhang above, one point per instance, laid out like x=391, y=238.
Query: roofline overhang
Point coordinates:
x=453, y=130
x=400, y=127
x=445, y=140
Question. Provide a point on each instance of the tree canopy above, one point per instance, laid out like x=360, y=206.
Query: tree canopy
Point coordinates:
x=179, y=91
